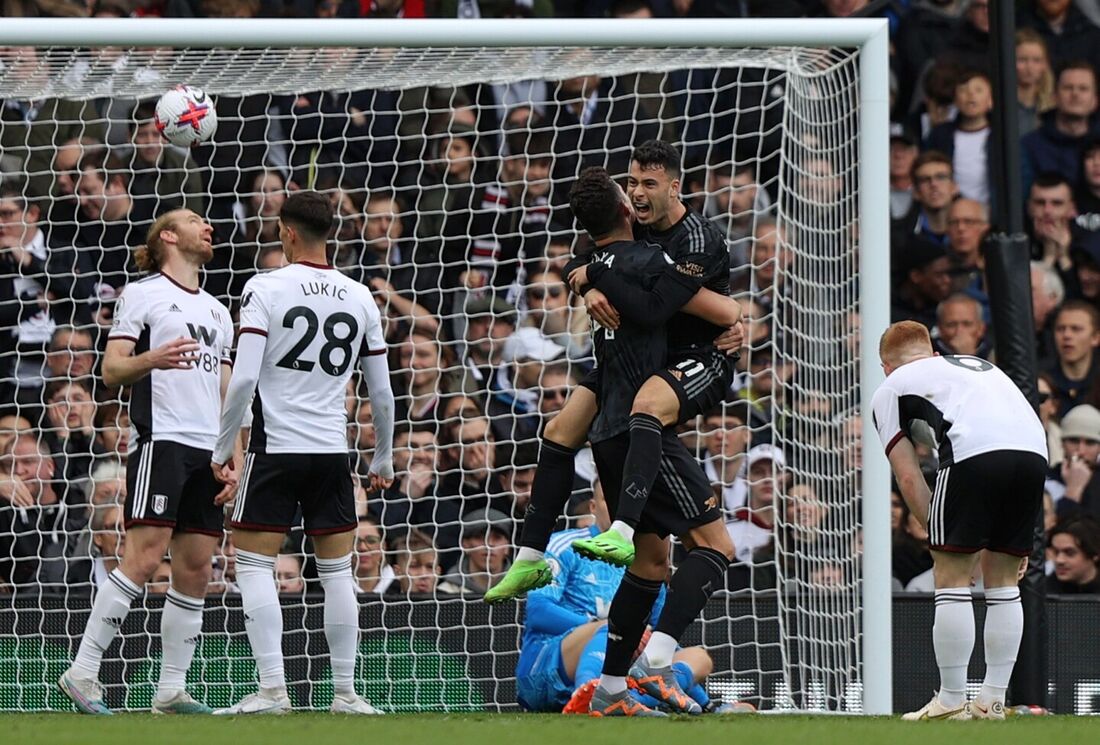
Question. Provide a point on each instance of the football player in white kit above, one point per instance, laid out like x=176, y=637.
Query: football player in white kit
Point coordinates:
x=170, y=343
x=988, y=491
x=303, y=328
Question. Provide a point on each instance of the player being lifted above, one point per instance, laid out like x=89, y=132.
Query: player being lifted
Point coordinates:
x=170, y=343
x=988, y=491
x=682, y=502
x=302, y=329
x=693, y=379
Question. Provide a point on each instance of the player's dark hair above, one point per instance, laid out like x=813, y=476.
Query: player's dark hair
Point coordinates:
x=657, y=154
x=1085, y=531
x=594, y=199
x=308, y=212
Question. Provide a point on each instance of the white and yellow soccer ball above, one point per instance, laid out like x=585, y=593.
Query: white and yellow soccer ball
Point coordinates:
x=185, y=116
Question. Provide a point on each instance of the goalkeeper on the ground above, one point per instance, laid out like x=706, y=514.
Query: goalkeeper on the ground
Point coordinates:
x=565, y=633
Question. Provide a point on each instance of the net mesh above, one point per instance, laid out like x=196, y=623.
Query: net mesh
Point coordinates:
x=450, y=168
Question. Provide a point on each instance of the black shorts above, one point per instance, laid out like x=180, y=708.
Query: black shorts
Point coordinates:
x=171, y=485
x=591, y=381
x=988, y=501
x=701, y=380
x=681, y=498
x=273, y=486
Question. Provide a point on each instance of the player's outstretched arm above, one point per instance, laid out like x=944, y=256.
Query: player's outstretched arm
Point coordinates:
x=242, y=386
x=721, y=310
x=122, y=367
x=376, y=373
x=914, y=489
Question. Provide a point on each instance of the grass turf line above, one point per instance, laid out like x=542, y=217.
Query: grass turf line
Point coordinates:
x=545, y=729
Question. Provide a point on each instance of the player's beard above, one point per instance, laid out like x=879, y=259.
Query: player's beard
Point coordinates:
x=199, y=253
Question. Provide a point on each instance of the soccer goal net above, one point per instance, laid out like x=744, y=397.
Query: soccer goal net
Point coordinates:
x=448, y=149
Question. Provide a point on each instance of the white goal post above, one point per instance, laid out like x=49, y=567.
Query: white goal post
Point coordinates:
x=402, y=54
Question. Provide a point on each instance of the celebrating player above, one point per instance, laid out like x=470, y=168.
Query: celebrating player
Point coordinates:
x=989, y=488
x=170, y=343
x=681, y=503
x=302, y=328
x=693, y=379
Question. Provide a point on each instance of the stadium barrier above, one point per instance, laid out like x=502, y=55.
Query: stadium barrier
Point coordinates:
x=460, y=655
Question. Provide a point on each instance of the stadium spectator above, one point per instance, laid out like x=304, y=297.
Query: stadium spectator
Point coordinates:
x=934, y=191
x=771, y=259
x=410, y=502
x=967, y=225
x=32, y=129
x=923, y=272
x=1047, y=294
x=106, y=485
x=39, y=529
x=372, y=573
x=163, y=177
x=1068, y=33
x=70, y=428
x=965, y=138
x=556, y=381
x=960, y=329
x=288, y=574
x=468, y=482
x=752, y=527
x=1087, y=197
x=1056, y=145
x=490, y=321
x=1075, y=544
x=727, y=437
x=967, y=47
x=549, y=311
x=36, y=296
x=515, y=390
x=486, y=551
x=904, y=149
x=71, y=355
x=1048, y=415
x=516, y=471
x=1080, y=446
x=109, y=228
x=108, y=541
x=1076, y=336
x=1085, y=254
x=733, y=201
x=1051, y=208
x=61, y=208
x=909, y=551
x=525, y=173
x=1034, y=80
x=416, y=567
x=418, y=364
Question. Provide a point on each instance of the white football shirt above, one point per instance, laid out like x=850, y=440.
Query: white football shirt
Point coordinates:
x=318, y=323
x=182, y=406
x=971, y=406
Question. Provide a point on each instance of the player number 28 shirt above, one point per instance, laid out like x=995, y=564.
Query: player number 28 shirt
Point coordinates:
x=182, y=406
x=318, y=323
x=971, y=406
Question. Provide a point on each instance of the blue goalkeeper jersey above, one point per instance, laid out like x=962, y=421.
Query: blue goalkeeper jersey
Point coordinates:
x=582, y=590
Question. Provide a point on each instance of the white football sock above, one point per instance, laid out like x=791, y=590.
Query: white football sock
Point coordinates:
x=613, y=683
x=180, y=627
x=526, y=553
x=623, y=529
x=111, y=606
x=341, y=620
x=660, y=649
x=1004, y=627
x=263, y=616
x=953, y=641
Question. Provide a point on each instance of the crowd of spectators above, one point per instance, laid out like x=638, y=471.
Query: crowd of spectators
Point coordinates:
x=451, y=208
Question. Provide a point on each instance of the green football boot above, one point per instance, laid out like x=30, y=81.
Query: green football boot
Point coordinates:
x=522, y=577
x=609, y=547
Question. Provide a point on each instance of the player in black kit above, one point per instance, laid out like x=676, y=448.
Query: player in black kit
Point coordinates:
x=694, y=378
x=682, y=502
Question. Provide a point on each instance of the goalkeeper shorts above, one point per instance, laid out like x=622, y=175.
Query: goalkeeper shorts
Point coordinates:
x=541, y=682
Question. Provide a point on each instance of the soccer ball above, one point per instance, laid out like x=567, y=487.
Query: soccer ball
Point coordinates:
x=185, y=116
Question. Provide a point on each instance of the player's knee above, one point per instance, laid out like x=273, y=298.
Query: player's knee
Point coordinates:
x=651, y=403
x=191, y=580
x=558, y=431
x=139, y=563
x=715, y=540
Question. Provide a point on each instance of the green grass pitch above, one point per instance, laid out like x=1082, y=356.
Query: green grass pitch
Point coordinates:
x=528, y=729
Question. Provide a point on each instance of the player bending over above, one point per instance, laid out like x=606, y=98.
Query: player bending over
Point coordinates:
x=303, y=328
x=565, y=635
x=170, y=343
x=988, y=491
x=693, y=379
